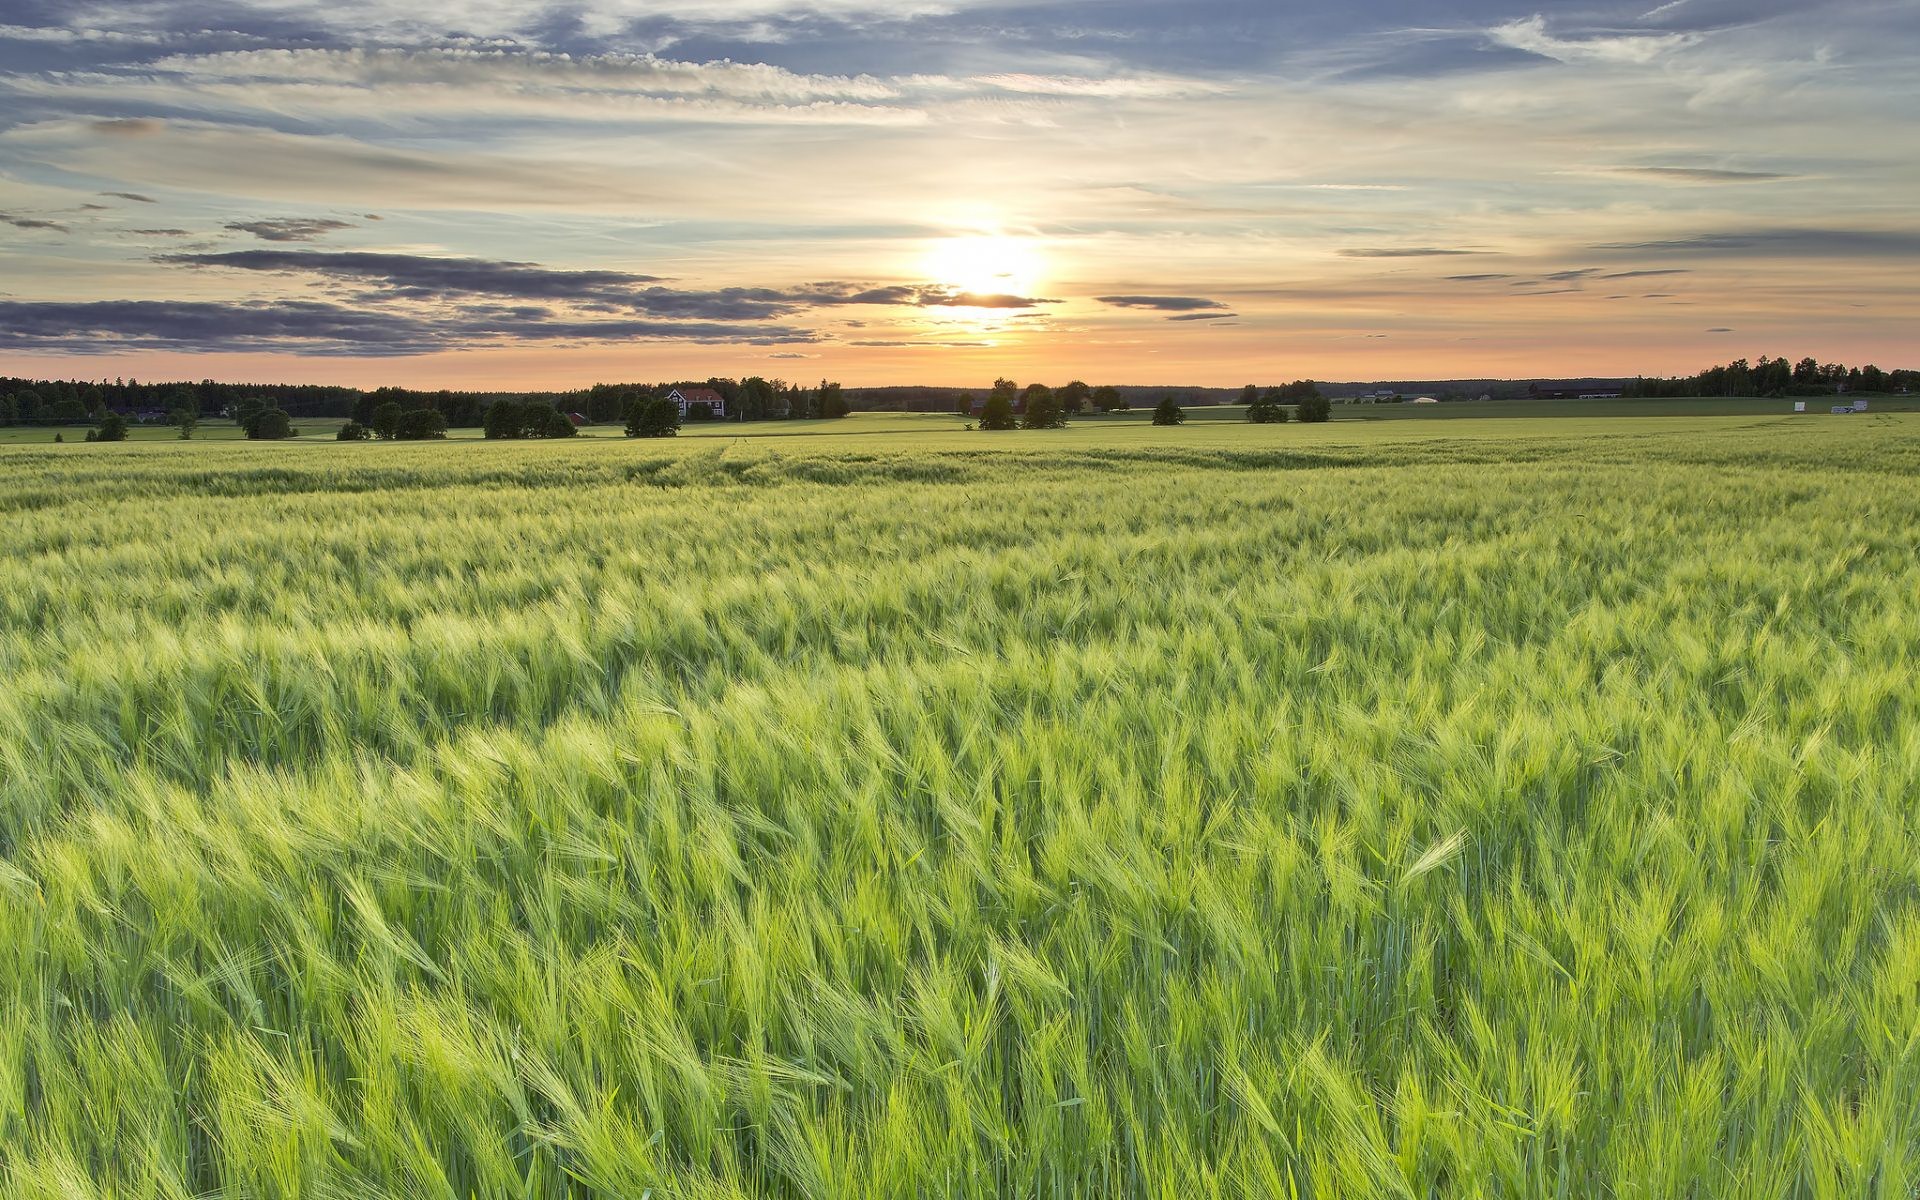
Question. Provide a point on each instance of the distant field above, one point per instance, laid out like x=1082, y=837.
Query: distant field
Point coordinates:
x=1459, y=807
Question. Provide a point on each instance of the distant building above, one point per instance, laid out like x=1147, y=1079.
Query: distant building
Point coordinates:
x=688, y=397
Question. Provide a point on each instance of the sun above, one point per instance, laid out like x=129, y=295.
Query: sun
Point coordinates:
x=993, y=264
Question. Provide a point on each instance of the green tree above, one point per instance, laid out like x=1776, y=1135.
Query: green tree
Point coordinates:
x=353, y=431
x=832, y=400
x=113, y=428
x=503, y=419
x=963, y=404
x=653, y=417
x=1075, y=398
x=1043, y=409
x=421, y=425
x=556, y=424
x=1265, y=407
x=269, y=425
x=246, y=409
x=386, y=420
x=1108, y=399
x=186, y=420
x=1311, y=407
x=998, y=414
x=606, y=403
x=1169, y=412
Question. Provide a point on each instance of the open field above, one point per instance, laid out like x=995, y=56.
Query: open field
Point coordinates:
x=1502, y=808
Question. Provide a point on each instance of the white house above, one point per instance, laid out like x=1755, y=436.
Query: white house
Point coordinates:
x=690, y=396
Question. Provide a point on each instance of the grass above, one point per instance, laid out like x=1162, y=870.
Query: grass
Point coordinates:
x=1420, y=809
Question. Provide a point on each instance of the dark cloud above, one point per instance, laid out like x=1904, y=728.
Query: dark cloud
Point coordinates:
x=1700, y=174
x=136, y=197
x=1476, y=278
x=316, y=328
x=1722, y=330
x=161, y=232
x=1784, y=243
x=129, y=127
x=1646, y=274
x=1227, y=316
x=421, y=277
x=32, y=223
x=289, y=229
x=1175, y=304
x=1406, y=252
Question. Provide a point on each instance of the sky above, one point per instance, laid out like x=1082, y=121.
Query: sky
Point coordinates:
x=506, y=194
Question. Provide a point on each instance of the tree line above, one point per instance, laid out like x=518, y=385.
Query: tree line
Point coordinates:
x=1038, y=406
x=1775, y=377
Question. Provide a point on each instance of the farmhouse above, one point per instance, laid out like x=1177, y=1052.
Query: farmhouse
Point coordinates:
x=689, y=396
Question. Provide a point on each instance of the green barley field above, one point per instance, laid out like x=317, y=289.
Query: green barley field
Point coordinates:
x=1465, y=808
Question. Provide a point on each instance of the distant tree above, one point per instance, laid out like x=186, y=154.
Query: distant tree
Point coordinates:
x=353, y=431
x=503, y=419
x=186, y=420
x=998, y=414
x=1169, y=412
x=963, y=404
x=59, y=437
x=1008, y=390
x=184, y=397
x=1310, y=406
x=1043, y=409
x=1108, y=399
x=653, y=417
x=756, y=399
x=9, y=409
x=26, y=404
x=556, y=424
x=269, y=425
x=699, y=410
x=66, y=411
x=245, y=409
x=386, y=420
x=1872, y=379
x=1264, y=408
x=113, y=428
x=1075, y=398
x=607, y=403
x=832, y=400
x=422, y=425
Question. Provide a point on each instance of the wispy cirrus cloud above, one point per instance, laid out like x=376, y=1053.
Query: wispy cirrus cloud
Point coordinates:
x=290, y=229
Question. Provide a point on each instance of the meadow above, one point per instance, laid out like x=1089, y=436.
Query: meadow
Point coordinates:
x=1499, y=808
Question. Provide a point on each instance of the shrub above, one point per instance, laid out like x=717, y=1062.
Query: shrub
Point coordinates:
x=1169, y=412
x=186, y=420
x=699, y=410
x=113, y=428
x=353, y=431
x=1109, y=399
x=420, y=425
x=269, y=425
x=1315, y=409
x=555, y=424
x=652, y=417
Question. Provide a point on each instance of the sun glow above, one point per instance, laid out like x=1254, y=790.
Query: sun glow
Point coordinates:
x=986, y=264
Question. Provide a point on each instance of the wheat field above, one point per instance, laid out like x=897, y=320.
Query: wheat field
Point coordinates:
x=1475, y=809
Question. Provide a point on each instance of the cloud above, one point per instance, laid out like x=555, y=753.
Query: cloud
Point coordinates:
x=1227, y=316
x=320, y=329
x=160, y=232
x=1407, y=252
x=416, y=277
x=1646, y=274
x=32, y=223
x=136, y=197
x=1175, y=304
x=1722, y=330
x=1784, y=243
x=1475, y=278
x=1699, y=175
x=289, y=229
x=1637, y=49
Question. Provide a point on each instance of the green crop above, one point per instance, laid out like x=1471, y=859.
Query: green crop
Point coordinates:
x=1500, y=809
